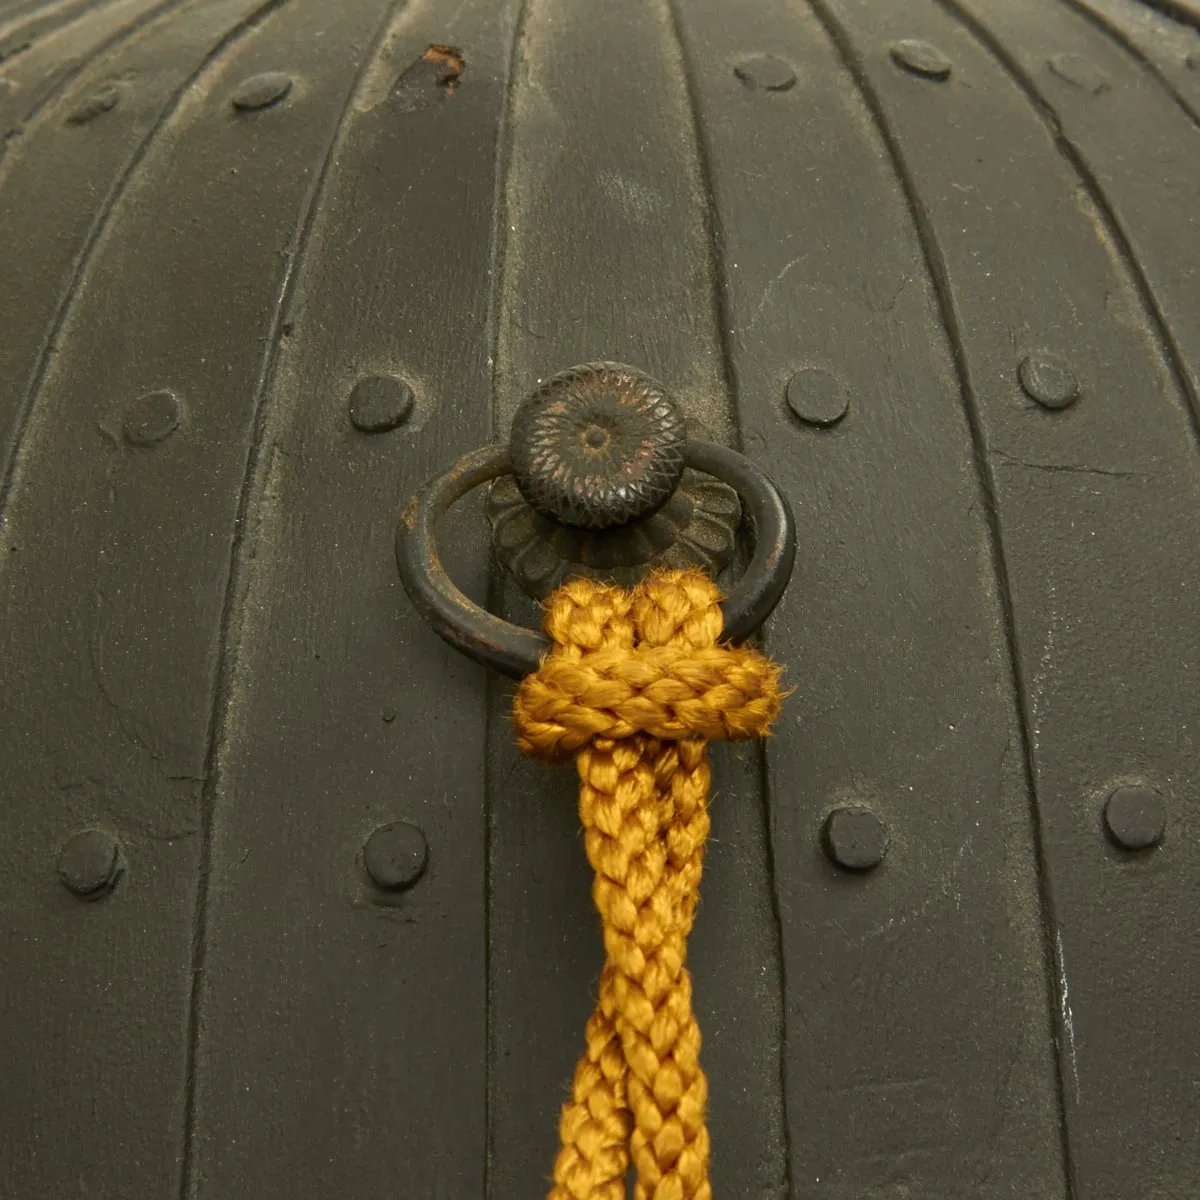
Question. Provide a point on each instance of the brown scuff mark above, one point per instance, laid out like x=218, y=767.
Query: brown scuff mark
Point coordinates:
x=429, y=78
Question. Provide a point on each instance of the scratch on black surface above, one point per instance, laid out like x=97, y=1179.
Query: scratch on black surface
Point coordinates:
x=125, y=719
x=936, y=265
x=1012, y=460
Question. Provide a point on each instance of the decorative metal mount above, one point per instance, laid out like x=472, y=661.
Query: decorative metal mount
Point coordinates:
x=599, y=486
x=602, y=479
x=598, y=446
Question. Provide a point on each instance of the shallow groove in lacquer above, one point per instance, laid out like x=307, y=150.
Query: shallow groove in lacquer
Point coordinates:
x=28, y=403
x=721, y=316
x=723, y=319
x=1104, y=206
x=250, y=490
x=500, y=230
x=935, y=264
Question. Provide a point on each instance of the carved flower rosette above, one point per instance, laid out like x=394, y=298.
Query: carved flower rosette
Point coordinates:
x=696, y=527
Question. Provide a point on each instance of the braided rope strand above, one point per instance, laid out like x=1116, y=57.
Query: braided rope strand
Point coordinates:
x=634, y=688
x=595, y=1124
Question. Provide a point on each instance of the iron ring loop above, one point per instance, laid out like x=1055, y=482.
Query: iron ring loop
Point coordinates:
x=516, y=651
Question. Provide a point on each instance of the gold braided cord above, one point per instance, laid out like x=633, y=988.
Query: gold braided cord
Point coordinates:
x=635, y=687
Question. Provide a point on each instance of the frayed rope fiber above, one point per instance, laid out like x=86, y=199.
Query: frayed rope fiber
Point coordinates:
x=635, y=687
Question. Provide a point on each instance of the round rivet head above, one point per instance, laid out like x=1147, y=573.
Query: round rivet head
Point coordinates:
x=765, y=71
x=89, y=864
x=152, y=418
x=854, y=838
x=921, y=58
x=261, y=91
x=100, y=100
x=817, y=397
x=396, y=856
x=1048, y=380
x=379, y=403
x=1135, y=817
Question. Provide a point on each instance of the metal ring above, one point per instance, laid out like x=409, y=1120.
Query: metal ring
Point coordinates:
x=516, y=651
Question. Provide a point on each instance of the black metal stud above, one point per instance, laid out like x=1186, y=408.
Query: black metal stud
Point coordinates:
x=152, y=418
x=854, y=838
x=765, y=71
x=380, y=403
x=1049, y=380
x=922, y=58
x=261, y=91
x=1135, y=817
x=396, y=856
x=89, y=864
x=817, y=397
x=101, y=99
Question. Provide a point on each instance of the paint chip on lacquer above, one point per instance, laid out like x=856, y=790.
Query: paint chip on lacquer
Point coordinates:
x=430, y=78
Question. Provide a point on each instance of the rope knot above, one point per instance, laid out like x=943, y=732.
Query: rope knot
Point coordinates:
x=635, y=686
x=661, y=674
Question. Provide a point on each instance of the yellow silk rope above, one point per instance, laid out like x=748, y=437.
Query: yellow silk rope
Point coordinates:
x=634, y=688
